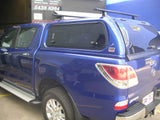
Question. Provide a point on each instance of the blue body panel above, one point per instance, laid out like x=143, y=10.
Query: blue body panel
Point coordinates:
x=79, y=76
x=147, y=81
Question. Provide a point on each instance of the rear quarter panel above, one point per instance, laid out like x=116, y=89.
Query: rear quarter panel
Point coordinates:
x=79, y=76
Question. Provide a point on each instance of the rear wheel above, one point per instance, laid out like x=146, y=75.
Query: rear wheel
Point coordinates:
x=56, y=105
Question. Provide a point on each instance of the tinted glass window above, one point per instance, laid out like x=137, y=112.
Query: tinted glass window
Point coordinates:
x=8, y=39
x=25, y=37
x=81, y=36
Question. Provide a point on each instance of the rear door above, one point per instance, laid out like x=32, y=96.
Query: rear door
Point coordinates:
x=6, y=44
x=142, y=44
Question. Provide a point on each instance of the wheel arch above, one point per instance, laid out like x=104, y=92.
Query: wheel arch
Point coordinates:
x=47, y=84
x=50, y=83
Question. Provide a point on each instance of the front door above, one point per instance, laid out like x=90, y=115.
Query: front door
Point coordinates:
x=6, y=43
x=20, y=59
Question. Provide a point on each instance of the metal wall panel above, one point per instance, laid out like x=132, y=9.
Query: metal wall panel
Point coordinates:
x=148, y=10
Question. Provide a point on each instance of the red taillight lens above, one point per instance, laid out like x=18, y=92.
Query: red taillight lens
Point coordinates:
x=117, y=73
x=121, y=76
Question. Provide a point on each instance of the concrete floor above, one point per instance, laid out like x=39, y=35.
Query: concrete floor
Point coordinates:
x=13, y=108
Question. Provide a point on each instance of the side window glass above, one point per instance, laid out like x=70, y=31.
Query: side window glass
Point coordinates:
x=7, y=40
x=25, y=37
x=81, y=36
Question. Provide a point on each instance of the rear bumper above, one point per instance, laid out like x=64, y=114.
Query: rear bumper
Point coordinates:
x=138, y=111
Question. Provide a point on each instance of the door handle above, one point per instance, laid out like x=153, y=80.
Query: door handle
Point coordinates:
x=26, y=54
x=5, y=53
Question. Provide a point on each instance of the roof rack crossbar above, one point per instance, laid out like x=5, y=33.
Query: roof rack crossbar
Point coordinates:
x=75, y=14
x=104, y=12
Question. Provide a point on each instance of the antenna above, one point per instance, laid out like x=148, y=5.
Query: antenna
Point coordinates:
x=104, y=13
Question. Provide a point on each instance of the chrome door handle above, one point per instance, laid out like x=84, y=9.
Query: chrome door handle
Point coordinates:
x=25, y=54
x=5, y=53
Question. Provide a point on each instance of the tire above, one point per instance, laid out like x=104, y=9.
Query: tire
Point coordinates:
x=56, y=105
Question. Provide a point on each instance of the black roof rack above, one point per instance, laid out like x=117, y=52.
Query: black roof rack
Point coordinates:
x=104, y=13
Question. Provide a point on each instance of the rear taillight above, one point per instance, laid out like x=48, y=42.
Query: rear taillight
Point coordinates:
x=121, y=76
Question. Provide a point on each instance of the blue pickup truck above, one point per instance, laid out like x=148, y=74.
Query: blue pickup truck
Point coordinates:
x=99, y=68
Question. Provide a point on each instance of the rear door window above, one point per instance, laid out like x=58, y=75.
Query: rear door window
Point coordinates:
x=80, y=36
